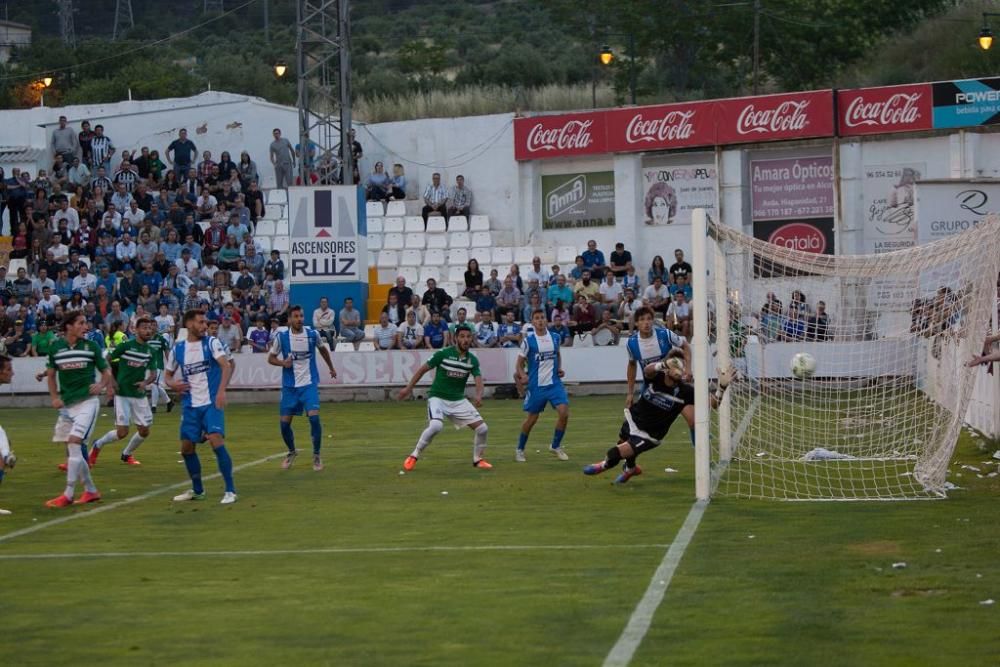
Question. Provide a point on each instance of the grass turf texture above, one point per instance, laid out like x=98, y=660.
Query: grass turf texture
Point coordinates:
x=814, y=586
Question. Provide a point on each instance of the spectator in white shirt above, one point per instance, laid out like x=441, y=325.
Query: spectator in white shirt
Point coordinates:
x=611, y=290
x=134, y=214
x=146, y=250
x=67, y=213
x=385, y=333
x=59, y=250
x=411, y=334
x=679, y=315
x=121, y=198
x=48, y=301
x=487, y=330
x=186, y=264
x=113, y=216
x=435, y=199
x=38, y=283
x=126, y=250
x=538, y=272
x=85, y=282
x=323, y=321
x=657, y=296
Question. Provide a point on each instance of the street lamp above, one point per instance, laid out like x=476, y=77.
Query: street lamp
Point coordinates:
x=280, y=68
x=986, y=35
x=607, y=56
x=42, y=84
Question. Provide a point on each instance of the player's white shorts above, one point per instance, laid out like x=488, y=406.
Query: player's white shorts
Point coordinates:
x=77, y=420
x=130, y=410
x=461, y=413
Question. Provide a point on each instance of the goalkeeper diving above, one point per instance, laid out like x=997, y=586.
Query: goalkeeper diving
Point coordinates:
x=664, y=397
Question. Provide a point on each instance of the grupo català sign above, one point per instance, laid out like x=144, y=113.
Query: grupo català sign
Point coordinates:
x=781, y=117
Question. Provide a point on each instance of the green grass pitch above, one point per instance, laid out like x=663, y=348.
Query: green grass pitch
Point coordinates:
x=527, y=564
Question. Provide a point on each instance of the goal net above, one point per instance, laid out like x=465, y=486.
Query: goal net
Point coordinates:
x=889, y=334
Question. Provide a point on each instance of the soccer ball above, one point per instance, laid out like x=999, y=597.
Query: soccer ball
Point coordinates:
x=803, y=365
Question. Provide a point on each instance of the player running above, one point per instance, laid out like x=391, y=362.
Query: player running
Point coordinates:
x=135, y=367
x=664, y=397
x=160, y=345
x=7, y=458
x=294, y=350
x=204, y=371
x=453, y=365
x=650, y=344
x=73, y=361
x=540, y=356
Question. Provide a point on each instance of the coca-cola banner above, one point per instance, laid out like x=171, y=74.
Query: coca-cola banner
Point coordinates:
x=774, y=117
x=578, y=200
x=670, y=193
x=792, y=188
x=888, y=109
x=661, y=127
x=560, y=136
x=966, y=103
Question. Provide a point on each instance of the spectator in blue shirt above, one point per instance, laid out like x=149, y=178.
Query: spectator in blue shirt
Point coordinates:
x=151, y=278
x=108, y=280
x=593, y=260
x=560, y=291
x=509, y=334
x=559, y=327
x=436, y=332
x=681, y=286
x=576, y=273
x=486, y=302
x=275, y=265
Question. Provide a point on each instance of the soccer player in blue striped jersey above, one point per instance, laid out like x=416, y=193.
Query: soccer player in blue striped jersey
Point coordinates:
x=538, y=367
x=650, y=344
x=294, y=350
x=204, y=369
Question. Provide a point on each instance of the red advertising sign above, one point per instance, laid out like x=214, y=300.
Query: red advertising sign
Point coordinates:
x=888, y=109
x=774, y=117
x=564, y=135
x=661, y=127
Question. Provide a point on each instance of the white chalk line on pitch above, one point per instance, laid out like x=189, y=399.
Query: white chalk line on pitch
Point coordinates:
x=642, y=617
x=332, y=550
x=127, y=501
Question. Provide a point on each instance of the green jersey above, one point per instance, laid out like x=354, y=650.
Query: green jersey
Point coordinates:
x=159, y=347
x=453, y=370
x=75, y=368
x=134, y=360
x=42, y=342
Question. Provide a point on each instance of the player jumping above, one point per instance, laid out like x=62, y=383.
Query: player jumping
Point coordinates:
x=540, y=356
x=7, y=458
x=204, y=374
x=72, y=361
x=446, y=398
x=650, y=344
x=663, y=399
x=135, y=364
x=294, y=350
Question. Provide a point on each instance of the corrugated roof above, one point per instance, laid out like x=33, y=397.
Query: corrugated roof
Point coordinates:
x=10, y=154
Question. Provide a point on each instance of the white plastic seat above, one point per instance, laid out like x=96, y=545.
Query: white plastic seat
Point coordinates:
x=372, y=260
x=548, y=256
x=14, y=265
x=433, y=217
x=410, y=258
x=413, y=224
x=392, y=225
x=458, y=223
x=265, y=243
x=374, y=241
x=393, y=242
x=410, y=273
x=344, y=347
x=281, y=244
x=396, y=208
x=459, y=240
x=439, y=241
x=503, y=257
x=435, y=225
x=481, y=240
x=451, y=289
x=566, y=255
x=265, y=228
x=373, y=209
x=458, y=257
x=524, y=255
x=374, y=225
x=416, y=241
x=456, y=274
x=387, y=259
x=428, y=273
x=583, y=340
x=277, y=196
x=275, y=211
x=204, y=224
x=434, y=257
x=479, y=223
x=281, y=228
x=366, y=346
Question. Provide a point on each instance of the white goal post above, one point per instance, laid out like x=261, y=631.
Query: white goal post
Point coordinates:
x=890, y=334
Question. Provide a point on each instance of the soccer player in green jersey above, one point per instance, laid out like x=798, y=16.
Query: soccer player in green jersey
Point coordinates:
x=453, y=365
x=7, y=458
x=134, y=362
x=160, y=347
x=73, y=363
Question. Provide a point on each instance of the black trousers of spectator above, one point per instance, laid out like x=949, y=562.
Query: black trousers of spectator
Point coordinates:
x=440, y=211
x=396, y=193
x=377, y=193
x=465, y=210
x=502, y=311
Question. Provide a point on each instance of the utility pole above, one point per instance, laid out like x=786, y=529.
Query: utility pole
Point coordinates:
x=124, y=20
x=267, y=22
x=66, y=28
x=756, y=46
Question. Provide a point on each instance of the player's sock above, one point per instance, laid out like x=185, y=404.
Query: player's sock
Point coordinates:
x=2, y=473
x=4, y=445
x=612, y=458
x=479, y=442
x=692, y=437
x=73, y=465
x=193, y=465
x=133, y=444
x=288, y=435
x=106, y=439
x=433, y=428
x=225, y=467
x=630, y=462
x=85, y=450
x=557, y=438
x=316, y=431
x=522, y=441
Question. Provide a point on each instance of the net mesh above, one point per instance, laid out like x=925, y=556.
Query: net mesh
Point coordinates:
x=889, y=333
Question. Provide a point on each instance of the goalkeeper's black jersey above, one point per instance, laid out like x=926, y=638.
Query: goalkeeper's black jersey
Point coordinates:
x=660, y=405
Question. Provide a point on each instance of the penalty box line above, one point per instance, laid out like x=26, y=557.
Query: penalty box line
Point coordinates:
x=127, y=501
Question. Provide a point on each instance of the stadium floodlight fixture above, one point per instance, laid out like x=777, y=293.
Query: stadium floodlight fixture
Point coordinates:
x=986, y=34
x=280, y=68
x=46, y=81
x=606, y=55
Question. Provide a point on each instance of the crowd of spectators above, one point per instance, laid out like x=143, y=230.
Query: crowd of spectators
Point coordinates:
x=799, y=322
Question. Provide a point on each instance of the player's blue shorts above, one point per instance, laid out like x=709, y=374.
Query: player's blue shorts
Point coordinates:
x=204, y=419
x=295, y=400
x=536, y=399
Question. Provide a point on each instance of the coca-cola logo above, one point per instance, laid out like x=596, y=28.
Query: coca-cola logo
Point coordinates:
x=672, y=126
x=799, y=236
x=574, y=134
x=789, y=116
x=900, y=109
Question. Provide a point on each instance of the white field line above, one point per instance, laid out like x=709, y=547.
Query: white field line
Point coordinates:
x=638, y=624
x=127, y=501
x=330, y=550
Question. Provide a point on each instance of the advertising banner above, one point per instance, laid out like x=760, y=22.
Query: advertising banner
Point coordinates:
x=563, y=135
x=661, y=127
x=966, y=103
x=774, y=117
x=887, y=109
x=672, y=192
x=572, y=201
x=815, y=235
x=326, y=246
x=792, y=188
x=945, y=208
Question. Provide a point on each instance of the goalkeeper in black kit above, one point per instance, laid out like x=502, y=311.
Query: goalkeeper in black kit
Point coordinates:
x=664, y=398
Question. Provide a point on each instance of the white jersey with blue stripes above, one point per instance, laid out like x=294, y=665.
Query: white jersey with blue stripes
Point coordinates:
x=542, y=354
x=198, y=363
x=301, y=348
x=655, y=348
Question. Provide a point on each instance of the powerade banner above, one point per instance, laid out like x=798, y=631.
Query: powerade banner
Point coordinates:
x=966, y=103
x=571, y=201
